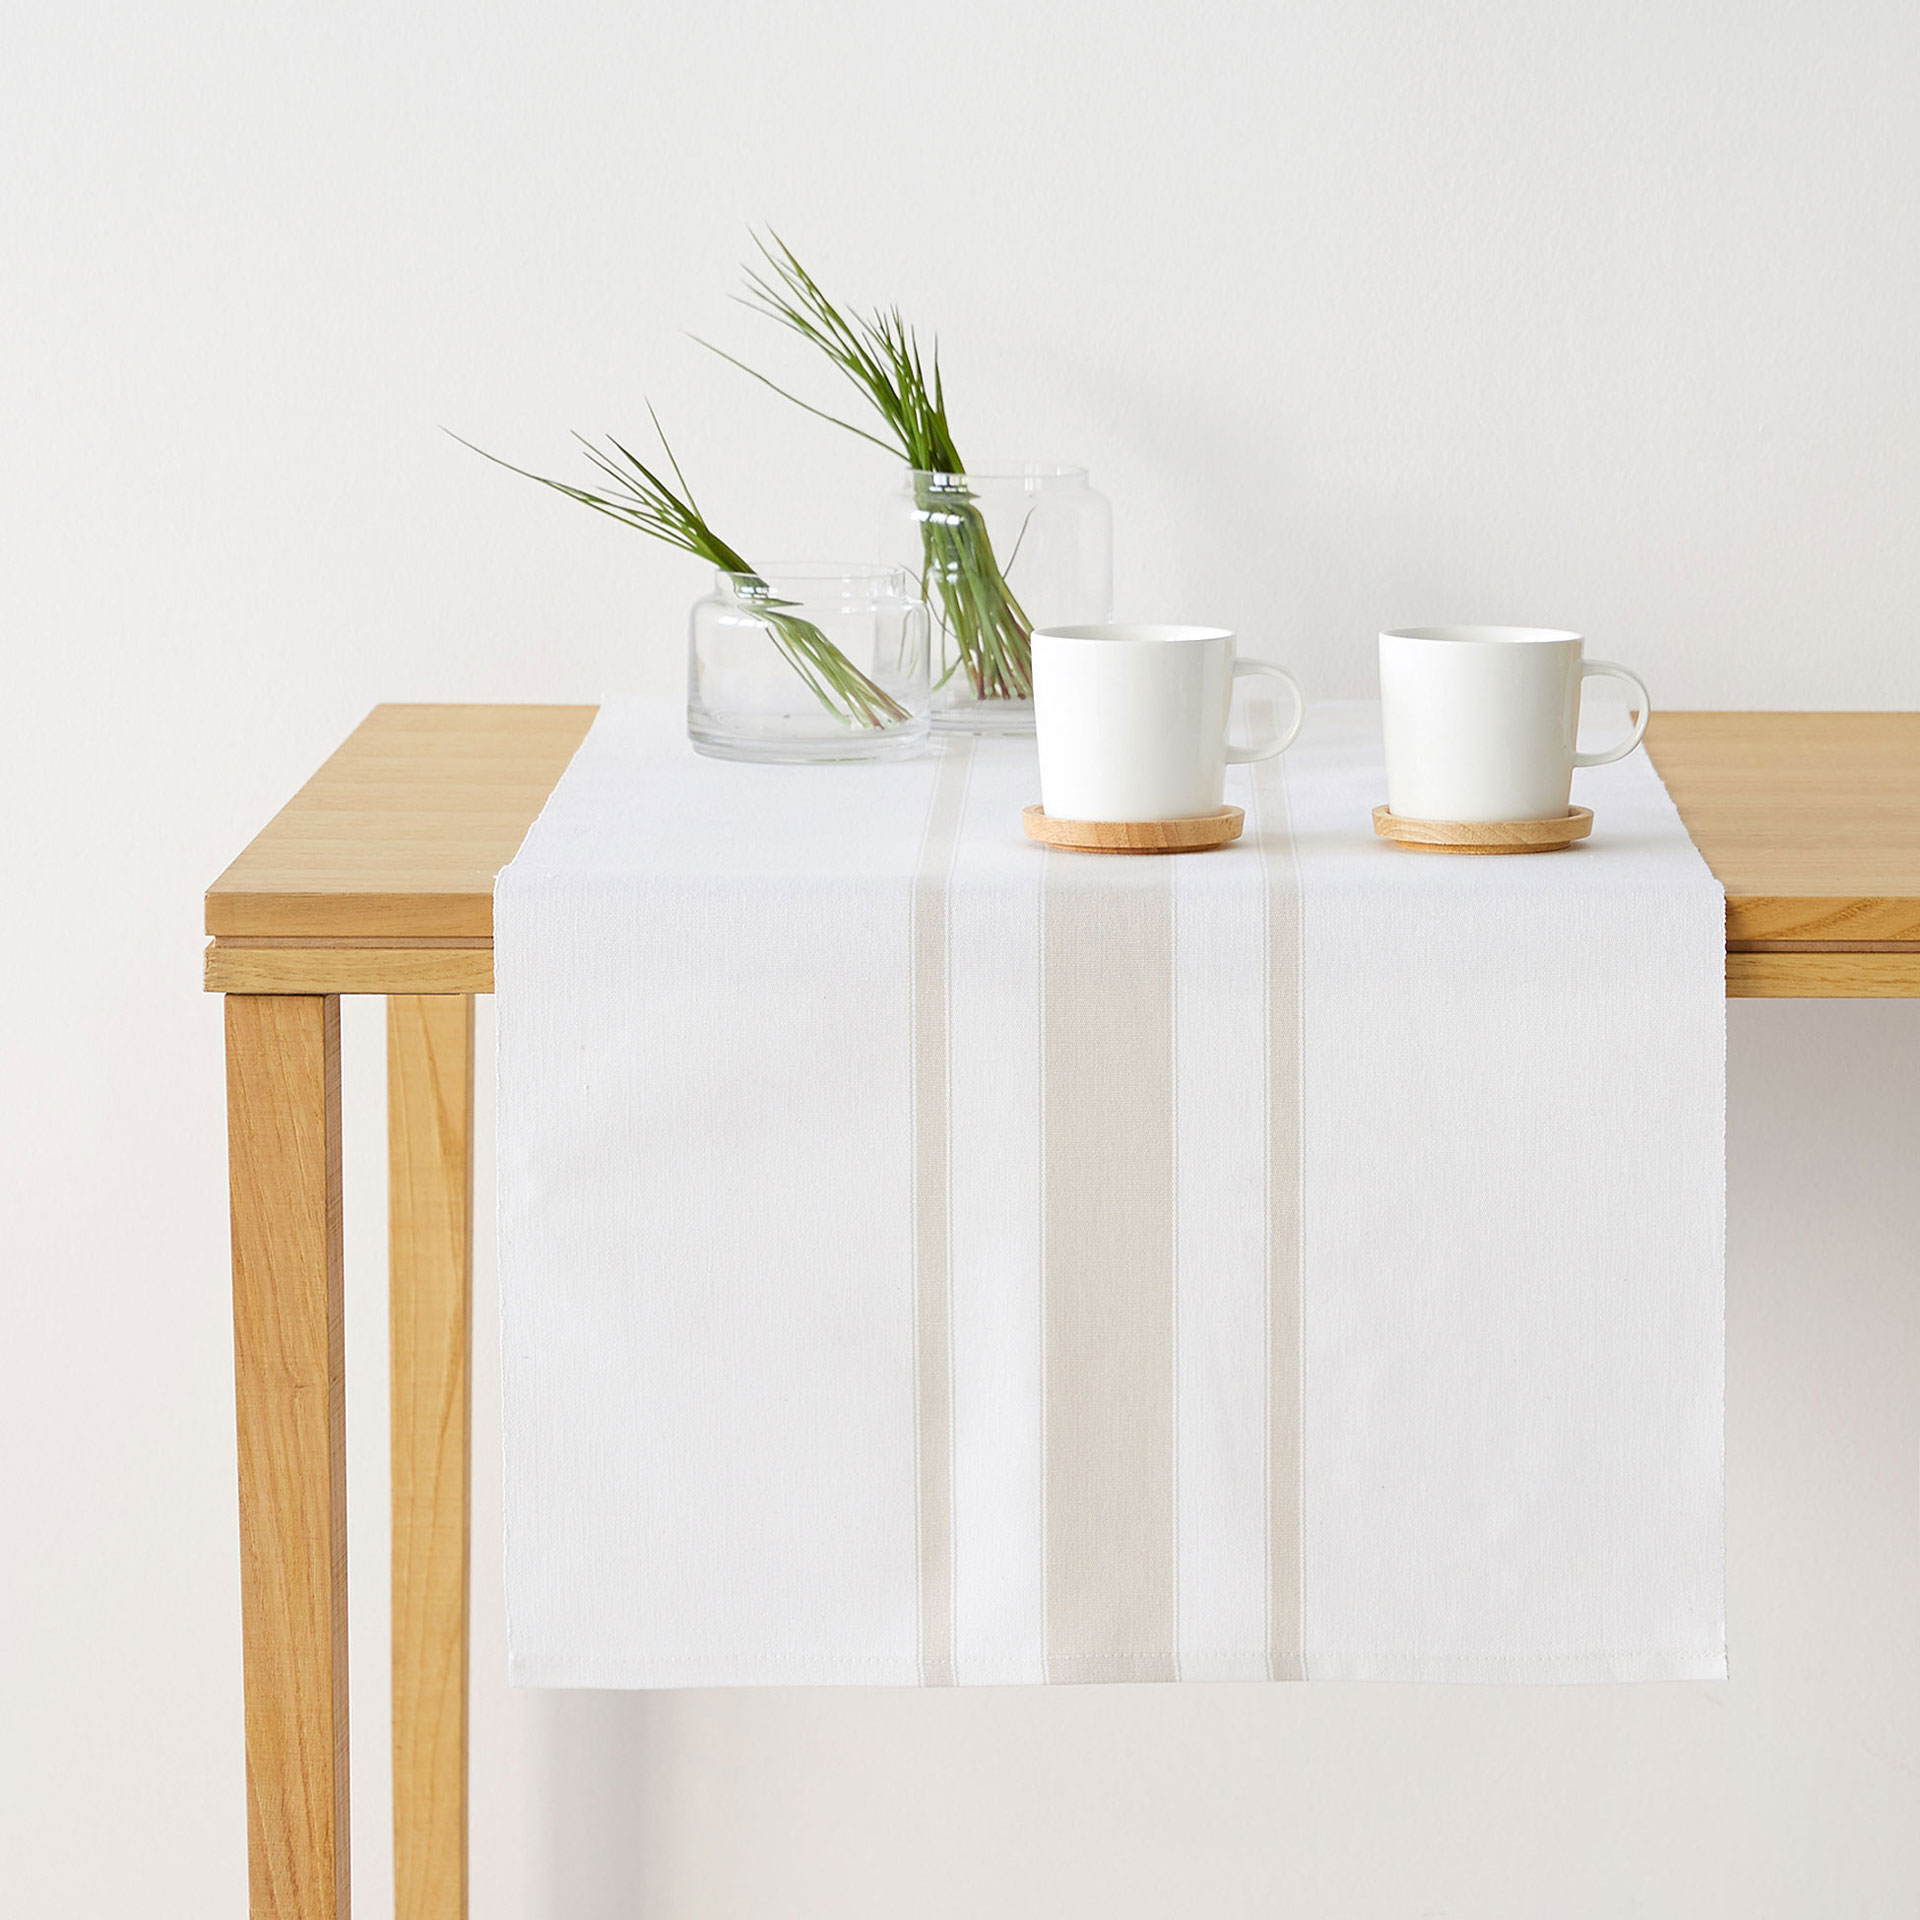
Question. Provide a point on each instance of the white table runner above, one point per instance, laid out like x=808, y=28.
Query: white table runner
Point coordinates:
x=928, y=1259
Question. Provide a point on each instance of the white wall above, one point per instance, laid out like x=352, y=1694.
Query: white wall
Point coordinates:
x=1361, y=312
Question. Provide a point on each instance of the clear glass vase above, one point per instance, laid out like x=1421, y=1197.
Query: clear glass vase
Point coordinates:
x=809, y=662
x=997, y=552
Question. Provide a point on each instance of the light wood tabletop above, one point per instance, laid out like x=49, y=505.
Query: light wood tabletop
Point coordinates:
x=377, y=877
x=1811, y=822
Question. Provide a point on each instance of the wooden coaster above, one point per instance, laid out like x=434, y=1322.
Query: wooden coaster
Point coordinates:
x=1136, y=836
x=1484, y=836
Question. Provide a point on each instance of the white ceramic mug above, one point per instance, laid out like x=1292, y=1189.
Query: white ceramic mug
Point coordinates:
x=1132, y=720
x=1482, y=722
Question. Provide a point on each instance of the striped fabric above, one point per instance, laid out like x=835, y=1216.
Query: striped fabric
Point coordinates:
x=929, y=1259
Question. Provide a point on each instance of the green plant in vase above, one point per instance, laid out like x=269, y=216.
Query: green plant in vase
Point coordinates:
x=640, y=498
x=988, y=637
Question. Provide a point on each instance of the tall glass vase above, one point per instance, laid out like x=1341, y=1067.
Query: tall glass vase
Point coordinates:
x=997, y=552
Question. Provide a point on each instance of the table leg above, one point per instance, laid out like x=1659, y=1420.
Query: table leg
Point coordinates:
x=283, y=1145
x=430, y=1187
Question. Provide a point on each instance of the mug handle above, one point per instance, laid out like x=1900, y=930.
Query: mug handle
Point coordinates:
x=1606, y=670
x=1250, y=669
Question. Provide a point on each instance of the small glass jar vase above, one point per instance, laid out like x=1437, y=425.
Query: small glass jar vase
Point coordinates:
x=809, y=662
x=997, y=552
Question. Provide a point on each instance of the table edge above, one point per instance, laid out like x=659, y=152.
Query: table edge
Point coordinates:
x=293, y=940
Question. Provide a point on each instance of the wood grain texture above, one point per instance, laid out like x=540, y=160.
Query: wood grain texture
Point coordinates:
x=430, y=1213
x=1824, y=976
x=1811, y=821
x=1135, y=836
x=403, y=829
x=234, y=966
x=283, y=1138
x=1484, y=836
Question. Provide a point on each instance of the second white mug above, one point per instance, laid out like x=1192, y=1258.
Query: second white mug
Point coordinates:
x=1482, y=723
x=1132, y=720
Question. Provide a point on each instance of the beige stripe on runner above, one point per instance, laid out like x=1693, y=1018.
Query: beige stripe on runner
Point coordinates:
x=1285, y=1625
x=1107, y=1131
x=933, y=1279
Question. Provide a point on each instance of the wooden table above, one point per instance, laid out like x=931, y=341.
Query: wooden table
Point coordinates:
x=377, y=877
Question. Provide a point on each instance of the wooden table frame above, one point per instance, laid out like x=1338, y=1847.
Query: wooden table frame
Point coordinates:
x=378, y=878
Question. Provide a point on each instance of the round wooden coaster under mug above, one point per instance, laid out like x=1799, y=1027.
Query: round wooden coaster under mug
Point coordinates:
x=1134, y=836
x=1132, y=731
x=1482, y=727
x=1484, y=836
